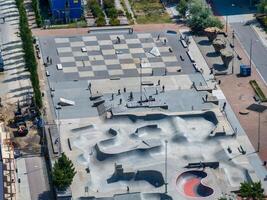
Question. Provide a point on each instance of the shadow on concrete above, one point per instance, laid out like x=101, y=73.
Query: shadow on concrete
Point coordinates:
x=19, y=66
x=46, y=195
x=20, y=89
x=213, y=54
x=19, y=72
x=23, y=94
x=219, y=67
x=204, y=43
x=23, y=77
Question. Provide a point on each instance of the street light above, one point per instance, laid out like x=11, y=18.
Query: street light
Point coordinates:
x=166, y=166
x=233, y=47
x=250, y=53
x=141, y=99
x=259, y=129
x=259, y=108
x=58, y=108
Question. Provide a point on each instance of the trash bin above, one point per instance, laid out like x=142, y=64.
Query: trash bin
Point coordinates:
x=245, y=70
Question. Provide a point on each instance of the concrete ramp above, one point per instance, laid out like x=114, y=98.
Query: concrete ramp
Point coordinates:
x=66, y=102
x=190, y=184
x=155, y=52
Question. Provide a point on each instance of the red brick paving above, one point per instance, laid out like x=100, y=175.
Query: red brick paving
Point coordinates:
x=240, y=94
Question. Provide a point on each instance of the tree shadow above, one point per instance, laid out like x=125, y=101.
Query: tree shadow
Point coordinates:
x=23, y=94
x=46, y=195
x=21, y=89
x=204, y=43
x=220, y=67
x=23, y=77
x=213, y=54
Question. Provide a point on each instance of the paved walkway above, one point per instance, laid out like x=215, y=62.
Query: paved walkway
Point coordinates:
x=23, y=188
x=239, y=94
x=259, y=171
x=82, y=31
x=260, y=32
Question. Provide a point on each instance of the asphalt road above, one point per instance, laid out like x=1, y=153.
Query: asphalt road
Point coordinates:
x=246, y=34
x=37, y=177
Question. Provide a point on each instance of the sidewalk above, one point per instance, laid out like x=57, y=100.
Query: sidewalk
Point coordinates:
x=258, y=172
x=23, y=188
x=260, y=32
x=240, y=95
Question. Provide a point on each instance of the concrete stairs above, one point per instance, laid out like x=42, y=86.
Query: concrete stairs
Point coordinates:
x=30, y=14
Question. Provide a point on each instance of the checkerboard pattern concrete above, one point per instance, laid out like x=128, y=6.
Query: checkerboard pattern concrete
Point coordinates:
x=106, y=56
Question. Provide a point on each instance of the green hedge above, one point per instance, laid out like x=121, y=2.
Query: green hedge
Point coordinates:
x=258, y=90
x=112, y=12
x=95, y=8
x=97, y=12
x=27, y=43
x=36, y=9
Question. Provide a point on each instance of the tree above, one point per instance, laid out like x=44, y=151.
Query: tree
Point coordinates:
x=182, y=7
x=201, y=17
x=252, y=190
x=63, y=172
x=262, y=7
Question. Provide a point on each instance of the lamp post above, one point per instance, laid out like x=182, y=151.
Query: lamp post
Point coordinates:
x=166, y=167
x=141, y=99
x=58, y=108
x=259, y=129
x=233, y=47
x=250, y=53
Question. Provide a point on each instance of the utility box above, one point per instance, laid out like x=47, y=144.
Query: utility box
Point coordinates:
x=245, y=70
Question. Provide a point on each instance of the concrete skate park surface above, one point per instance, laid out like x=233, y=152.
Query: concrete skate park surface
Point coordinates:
x=137, y=144
x=119, y=151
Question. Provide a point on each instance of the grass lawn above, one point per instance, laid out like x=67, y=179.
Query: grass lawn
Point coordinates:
x=150, y=11
x=78, y=24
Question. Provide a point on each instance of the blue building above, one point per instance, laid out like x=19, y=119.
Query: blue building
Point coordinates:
x=66, y=10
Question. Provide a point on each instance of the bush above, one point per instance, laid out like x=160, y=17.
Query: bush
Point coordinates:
x=258, y=90
x=63, y=172
x=29, y=57
x=95, y=8
x=112, y=12
x=262, y=7
x=201, y=17
x=100, y=21
x=182, y=7
x=114, y=22
x=252, y=190
x=120, y=12
x=36, y=9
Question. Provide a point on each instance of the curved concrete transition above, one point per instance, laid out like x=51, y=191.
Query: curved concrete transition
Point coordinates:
x=190, y=184
x=153, y=177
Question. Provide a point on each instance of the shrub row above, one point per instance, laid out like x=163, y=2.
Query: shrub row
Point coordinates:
x=36, y=9
x=258, y=90
x=262, y=18
x=97, y=12
x=111, y=11
x=29, y=57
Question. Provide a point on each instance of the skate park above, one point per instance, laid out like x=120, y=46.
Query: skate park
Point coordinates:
x=160, y=135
